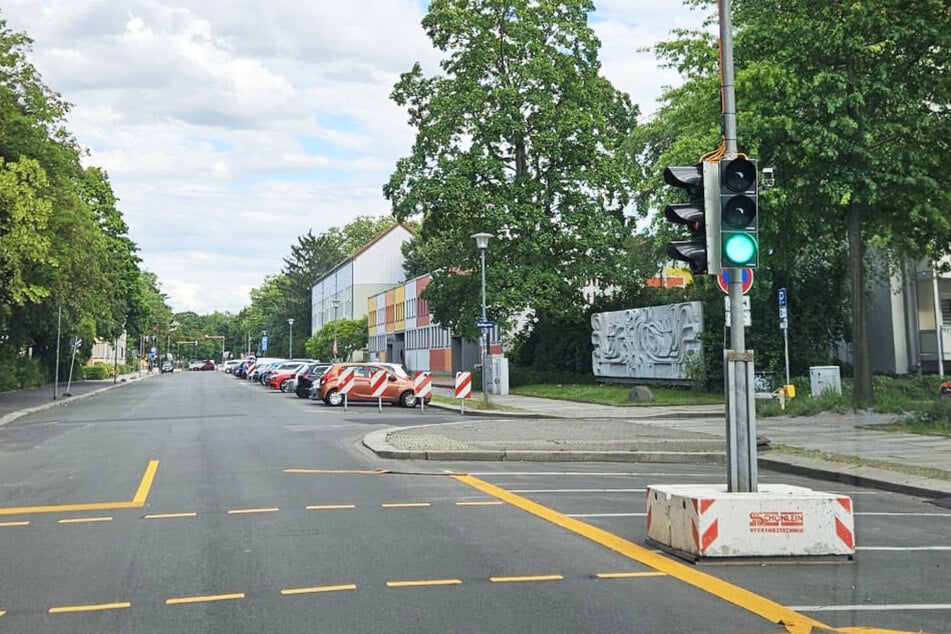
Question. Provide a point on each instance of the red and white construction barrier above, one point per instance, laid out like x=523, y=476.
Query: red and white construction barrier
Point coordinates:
x=463, y=388
x=345, y=383
x=378, y=386
x=706, y=521
x=423, y=387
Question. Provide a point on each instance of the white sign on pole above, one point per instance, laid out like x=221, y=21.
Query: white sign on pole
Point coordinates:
x=747, y=314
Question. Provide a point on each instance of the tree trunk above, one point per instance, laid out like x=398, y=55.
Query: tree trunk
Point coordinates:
x=862, y=396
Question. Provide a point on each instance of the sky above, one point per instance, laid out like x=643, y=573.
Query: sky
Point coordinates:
x=229, y=128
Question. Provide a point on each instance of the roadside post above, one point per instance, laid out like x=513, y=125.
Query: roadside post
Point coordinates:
x=463, y=389
x=788, y=390
x=378, y=386
x=423, y=387
x=345, y=384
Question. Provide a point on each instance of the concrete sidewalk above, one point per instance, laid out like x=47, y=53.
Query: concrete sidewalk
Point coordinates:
x=844, y=448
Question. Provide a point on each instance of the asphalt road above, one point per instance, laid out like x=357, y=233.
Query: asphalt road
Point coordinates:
x=194, y=502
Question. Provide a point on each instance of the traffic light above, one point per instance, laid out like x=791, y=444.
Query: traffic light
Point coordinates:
x=699, y=214
x=738, y=210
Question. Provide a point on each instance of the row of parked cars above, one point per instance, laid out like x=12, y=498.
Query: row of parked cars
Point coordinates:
x=318, y=380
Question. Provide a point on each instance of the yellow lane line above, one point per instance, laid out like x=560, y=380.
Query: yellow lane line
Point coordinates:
x=2, y=524
x=2, y=612
x=90, y=608
x=528, y=578
x=142, y=493
x=316, y=589
x=340, y=471
x=272, y=509
x=329, y=507
x=424, y=582
x=204, y=599
x=628, y=575
x=69, y=508
x=741, y=597
x=167, y=516
x=482, y=503
x=404, y=505
x=84, y=520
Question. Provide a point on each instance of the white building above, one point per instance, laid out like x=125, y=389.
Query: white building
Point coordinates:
x=344, y=291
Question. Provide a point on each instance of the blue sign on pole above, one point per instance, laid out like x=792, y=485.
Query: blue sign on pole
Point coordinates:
x=263, y=344
x=484, y=323
x=782, y=298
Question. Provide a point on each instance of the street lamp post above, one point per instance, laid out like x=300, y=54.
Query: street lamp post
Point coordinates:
x=290, y=339
x=336, y=303
x=482, y=242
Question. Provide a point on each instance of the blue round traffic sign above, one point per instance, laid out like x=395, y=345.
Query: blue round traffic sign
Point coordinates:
x=746, y=280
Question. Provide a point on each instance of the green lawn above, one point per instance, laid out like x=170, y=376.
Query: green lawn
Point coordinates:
x=618, y=395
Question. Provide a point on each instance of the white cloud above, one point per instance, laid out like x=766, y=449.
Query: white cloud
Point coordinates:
x=229, y=128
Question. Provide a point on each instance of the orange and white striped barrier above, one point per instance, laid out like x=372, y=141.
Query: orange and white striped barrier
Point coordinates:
x=378, y=386
x=463, y=389
x=423, y=387
x=345, y=383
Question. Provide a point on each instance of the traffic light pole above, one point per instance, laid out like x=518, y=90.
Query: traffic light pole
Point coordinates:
x=738, y=363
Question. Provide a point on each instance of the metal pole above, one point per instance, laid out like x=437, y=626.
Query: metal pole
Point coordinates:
x=336, y=303
x=115, y=363
x=59, y=330
x=485, y=334
x=744, y=423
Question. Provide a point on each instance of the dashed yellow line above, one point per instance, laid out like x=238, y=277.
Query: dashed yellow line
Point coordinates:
x=527, y=578
x=629, y=575
x=205, y=598
x=5, y=524
x=167, y=516
x=84, y=520
x=404, y=505
x=272, y=509
x=424, y=582
x=318, y=589
x=90, y=608
x=329, y=507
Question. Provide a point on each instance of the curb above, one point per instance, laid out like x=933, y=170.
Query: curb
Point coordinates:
x=376, y=442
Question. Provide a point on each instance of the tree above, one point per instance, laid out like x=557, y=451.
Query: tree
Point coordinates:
x=521, y=133
x=850, y=103
x=352, y=335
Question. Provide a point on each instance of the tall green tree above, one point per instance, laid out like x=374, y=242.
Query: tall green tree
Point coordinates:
x=522, y=133
x=849, y=101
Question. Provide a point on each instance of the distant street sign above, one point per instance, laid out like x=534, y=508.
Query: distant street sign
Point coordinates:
x=782, y=298
x=263, y=344
x=723, y=280
x=484, y=323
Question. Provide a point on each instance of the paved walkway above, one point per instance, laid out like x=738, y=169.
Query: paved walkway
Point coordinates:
x=845, y=448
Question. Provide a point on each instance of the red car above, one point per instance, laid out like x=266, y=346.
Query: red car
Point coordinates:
x=283, y=379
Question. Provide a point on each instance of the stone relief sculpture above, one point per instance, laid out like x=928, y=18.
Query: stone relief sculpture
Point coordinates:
x=647, y=343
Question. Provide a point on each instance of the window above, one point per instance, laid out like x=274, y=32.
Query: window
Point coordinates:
x=945, y=305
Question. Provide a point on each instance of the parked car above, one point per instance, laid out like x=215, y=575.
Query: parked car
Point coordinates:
x=208, y=365
x=399, y=390
x=167, y=367
x=309, y=378
x=230, y=365
x=281, y=378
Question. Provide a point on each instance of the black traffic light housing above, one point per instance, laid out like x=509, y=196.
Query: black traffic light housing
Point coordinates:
x=699, y=214
x=738, y=210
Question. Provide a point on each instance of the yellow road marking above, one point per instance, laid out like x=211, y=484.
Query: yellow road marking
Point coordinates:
x=138, y=501
x=2, y=612
x=628, y=575
x=528, y=578
x=329, y=507
x=205, y=598
x=339, y=471
x=424, y=582
x=741, y=597
x=167, y=516
x=316, y=589
x=404, y=505
x=272, y=509
x=482, y=503
x=142, y=493
x=85, y=520
x=2, y=524
x=90, y=608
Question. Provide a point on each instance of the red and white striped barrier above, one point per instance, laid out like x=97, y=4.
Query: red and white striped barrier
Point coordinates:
x=423, y=384
x=463, y=385
x=378, y=383
x=346, y=381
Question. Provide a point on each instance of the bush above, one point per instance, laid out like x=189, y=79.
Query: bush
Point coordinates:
x=521, y=375
x=934, y=416
x=97, y=371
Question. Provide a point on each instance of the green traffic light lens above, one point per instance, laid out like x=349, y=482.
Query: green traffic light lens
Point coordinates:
x=740, y=249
